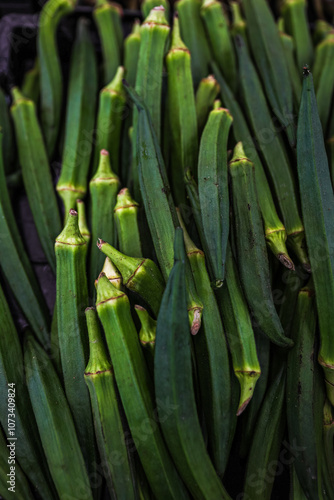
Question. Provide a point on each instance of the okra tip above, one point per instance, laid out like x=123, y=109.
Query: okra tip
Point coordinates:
x=99, y=244
x=286, y=261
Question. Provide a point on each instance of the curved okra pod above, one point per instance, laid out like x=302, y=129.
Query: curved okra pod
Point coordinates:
x=139, y=275
x=80, y=118
x=109, y=121
x=194, y=36
x=251, y=249
x=126, y=219
x=206, y=94
x=273, y=152
x=131, y=53
x=107, y=20
x=55, y=424
x=147, y=335
x=213, y=189
x=71, y=300
x=36, y=173
x=51, y=76
x=288, y=47
x=182, y=113
x=173, y=379
x=82, y=221
x=103, y=189
x=8, y=149
x=136, y=390
x=30, y=87
x=317, y=202
x=323, y=75
x=216, y=23
x=109, y=430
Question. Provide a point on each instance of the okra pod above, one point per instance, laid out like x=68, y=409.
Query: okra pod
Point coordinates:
x=136, y=390
x=148, y=5
x=296, y=491
x=296, y=24
x=216, y=23
x=71, y=300
x=80, y=118
x=321, y=30
x=51, y=76
x=112, y=273
x=82, y=221
x=251, y=249
x=238, y=25
x=55, y=424
x=288, y=48
x=328, y=436
x=147, y=335
x=36, y=173
x=109, y=430
x=213, y=189
x=126, y=219
x=30, y=87
x=8, y=149
x=103, y=189
x=207, y=92
x=323, y=74
x=131, y=53
x=317, y=201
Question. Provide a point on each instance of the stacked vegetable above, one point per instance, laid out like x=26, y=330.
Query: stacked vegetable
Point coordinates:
x=192, y=329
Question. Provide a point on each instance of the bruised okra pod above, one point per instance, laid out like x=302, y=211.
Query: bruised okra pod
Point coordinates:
x=36, y=173
x=147, y=336
x=51, y=75
x=103, y=189
x=80, y=118
x=251, y=249
x=131, y=53
x=296, y=24
x=71, y=300
x=219, y=35
x=136, y=390
x=323, y=73
x=213, y=189
x=207, y=92
x=109, y=431
x=126, y=218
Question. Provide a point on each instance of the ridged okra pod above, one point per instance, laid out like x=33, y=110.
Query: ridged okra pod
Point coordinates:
x=173, y=379
x=71, y=301
x=126, y=219
x=131, y=53
x=30, y=87
x=323, y=74
x=213, y=189
x=251, y=250
x=109, y=121
x=107, y=20
x=317, y=202
x=217, y=27
x=194, y=36
x=268, y=53
x=8, y=149
x=206, y=94
x=136, y=390
x=36, y=173
x=82, y=221
x=51, y=75
x=148, y=5
x=296, y=24
x=103, y=189
x=80, y=118
x=55, y=424
x=100, y=380
x=182, y=113
x=273, y=151
x=288, y=48
x=147, y=336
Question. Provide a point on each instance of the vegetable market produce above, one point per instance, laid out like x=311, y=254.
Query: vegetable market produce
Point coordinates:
x=173, y=338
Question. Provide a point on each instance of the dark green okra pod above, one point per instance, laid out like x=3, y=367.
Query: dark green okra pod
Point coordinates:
x=148, y=5
x=8, y=149
x=323, y=74
x=126, y=219
x=206, y=94
x=82, y=221
x=131, y=53
x=147, y=335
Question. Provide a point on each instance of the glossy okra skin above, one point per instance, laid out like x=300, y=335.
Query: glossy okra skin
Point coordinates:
x=173, y=379
x=206, y=93
x=109, y=431
x=126, y=220
x=55, y=424
x=51, y=75
x=136, y=390
x=317, y=201
x=251, y=250
x=80, y=118
x=147, y=335
x=71, y=301
x=297, y=25
x=103, y=189
x=323, y=75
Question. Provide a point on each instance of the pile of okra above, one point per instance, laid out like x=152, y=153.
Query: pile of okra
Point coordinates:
x=191, y=233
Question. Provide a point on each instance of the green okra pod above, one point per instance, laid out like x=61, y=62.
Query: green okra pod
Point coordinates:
x=30, y=87
x=216, y=23
x=213, y=189
x=321, y=30
x=269, y=57
x=109, y=430
x=174, y=382
x=109, y=121
x=82, y=221
x=8, y=149
x=107, y=20
x=251, y=250
x=136, y=390
x=194, y=36
x=80, y=118
x=273, y=152
x=238, y=25
x=112, y=273
x=288, y=48
x=126, y=219
x=103, y=189
x=182, y=113
x=55, y=424
x=51, y=76
x=148, y=5
x=296, y=24
x=36, y=173
x=317, y=202
x=328, y=436
x=207, y=92
x=323, y=75
x=296, y=491
x=71, y=300
x=131, y=53
x=147, y=335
